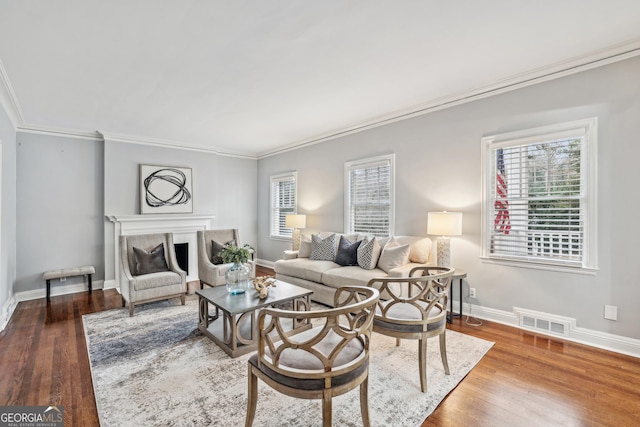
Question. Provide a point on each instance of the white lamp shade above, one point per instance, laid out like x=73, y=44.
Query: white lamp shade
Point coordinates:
x=295, y=221
x=444, y=223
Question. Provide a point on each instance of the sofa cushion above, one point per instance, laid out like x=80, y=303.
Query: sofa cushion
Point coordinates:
x=350, y=276
x=368, y=253
x=304, y=268
x=347, y=252
x=156, y=280
x=323, y=249
x=419, y=250
x=152, y=261
x=305, y=246
x=393, y=255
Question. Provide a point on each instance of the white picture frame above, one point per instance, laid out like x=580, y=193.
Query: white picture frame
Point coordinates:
x=165, y=189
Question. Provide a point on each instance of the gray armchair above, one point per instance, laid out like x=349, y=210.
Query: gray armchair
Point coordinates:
x=149, y=271
x=213, y=274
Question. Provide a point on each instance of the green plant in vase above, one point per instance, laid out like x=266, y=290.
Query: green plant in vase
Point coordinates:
x=237, y=276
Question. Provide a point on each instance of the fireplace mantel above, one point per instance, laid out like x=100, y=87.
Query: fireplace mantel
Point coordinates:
x=183, y=227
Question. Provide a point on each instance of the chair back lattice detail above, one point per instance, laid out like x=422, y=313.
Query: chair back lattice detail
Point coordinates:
x=334, y=331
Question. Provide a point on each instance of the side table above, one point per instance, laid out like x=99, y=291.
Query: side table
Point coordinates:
x=458, y=275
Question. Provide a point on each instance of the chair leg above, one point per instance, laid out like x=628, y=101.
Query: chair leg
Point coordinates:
x=397, y=342
x=182, y=299
x=123, y=301
x=443, y=352
x=422, y=363
x=252, y=398
x=131, y=309
x=326, y=408
x=364, y=401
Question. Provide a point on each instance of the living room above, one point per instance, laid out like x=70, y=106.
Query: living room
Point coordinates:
x=59, y=185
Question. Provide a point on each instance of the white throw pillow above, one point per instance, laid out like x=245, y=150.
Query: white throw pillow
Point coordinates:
x=419, y=251
x=323, y=249
x=305, y=246
x=393, y=255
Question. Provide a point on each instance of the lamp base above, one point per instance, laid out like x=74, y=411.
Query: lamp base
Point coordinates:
x=444, y=252
x=295, y=239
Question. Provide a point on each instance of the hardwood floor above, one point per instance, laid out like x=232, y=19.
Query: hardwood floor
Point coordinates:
x=524, y=380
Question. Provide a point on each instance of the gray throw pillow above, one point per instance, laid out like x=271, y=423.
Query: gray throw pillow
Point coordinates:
x=216, y=248
x=347, y=252
x=368, y=253
x=323, y=249
x=149, y=262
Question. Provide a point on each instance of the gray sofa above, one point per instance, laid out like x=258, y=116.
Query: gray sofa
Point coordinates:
x=323, y=277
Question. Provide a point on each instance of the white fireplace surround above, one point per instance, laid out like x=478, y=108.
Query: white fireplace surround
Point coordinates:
x=183, y=227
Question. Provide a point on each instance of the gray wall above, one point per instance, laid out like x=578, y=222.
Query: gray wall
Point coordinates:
x=7, y=212
x=438, y=167
x=223, y=186
x=60, y=207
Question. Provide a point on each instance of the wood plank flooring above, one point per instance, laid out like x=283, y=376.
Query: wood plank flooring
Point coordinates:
x=525, y=380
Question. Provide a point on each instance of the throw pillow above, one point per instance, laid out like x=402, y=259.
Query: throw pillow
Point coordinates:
x=149, y=262
x=393, y=255
x=347, y=252
x=368, y=253
x=216, y=248
x=419, y=251
x=305, y=246
x=323, y=249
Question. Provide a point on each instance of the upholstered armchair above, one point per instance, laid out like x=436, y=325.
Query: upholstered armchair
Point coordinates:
x=327, y=360
x=211, y=270
x=149, y=270
x=415, y=307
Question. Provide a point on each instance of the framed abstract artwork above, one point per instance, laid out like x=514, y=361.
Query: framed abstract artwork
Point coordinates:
x=165, y=189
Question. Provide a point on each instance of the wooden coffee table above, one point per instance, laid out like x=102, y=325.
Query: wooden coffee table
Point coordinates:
x=236, y=331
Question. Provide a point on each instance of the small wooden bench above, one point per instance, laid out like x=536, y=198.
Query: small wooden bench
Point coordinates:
x=86, y=270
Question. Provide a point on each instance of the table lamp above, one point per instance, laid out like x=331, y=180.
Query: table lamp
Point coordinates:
x=444, y=224
x=295, y=222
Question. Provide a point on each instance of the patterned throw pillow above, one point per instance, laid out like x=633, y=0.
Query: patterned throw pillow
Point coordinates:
x=323, y=249
x=347, y=252
x=152, y=261
x=393, y=255
x=216, y=248
x=368, y=253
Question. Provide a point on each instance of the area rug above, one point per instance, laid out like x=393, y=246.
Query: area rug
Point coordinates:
x=157, y=369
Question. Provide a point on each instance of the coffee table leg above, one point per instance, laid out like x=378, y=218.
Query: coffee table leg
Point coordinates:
x=204, y=313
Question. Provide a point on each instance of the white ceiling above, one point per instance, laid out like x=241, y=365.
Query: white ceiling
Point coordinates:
x=253, y=77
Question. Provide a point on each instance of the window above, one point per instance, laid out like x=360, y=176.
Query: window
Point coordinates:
x=539, y=196
x=283, y=202
x=369, y=198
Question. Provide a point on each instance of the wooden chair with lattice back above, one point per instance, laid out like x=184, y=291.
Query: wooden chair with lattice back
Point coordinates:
x=327, y=360
x=415, y=307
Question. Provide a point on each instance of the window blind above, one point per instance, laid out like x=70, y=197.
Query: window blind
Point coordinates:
x=537, y=201
x=370, y=196
x=283, y=202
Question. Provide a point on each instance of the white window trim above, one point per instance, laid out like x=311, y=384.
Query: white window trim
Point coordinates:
x=586, y=127
x=348, y=166
x=280, y=177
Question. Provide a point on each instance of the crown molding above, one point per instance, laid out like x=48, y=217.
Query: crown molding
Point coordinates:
x=8, y=99
x=51, y=131
x=165, y=143
x=565, y=68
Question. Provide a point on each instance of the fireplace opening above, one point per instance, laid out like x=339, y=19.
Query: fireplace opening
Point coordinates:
x=182, y=254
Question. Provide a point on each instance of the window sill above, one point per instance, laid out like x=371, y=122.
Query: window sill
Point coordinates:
x=281, y=238
x=590, y=271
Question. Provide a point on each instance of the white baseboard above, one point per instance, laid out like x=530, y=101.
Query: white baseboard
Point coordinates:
x=57, y=290
x=7, y=311
x=603, y=340
x=264, y=263
x=110, y=284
